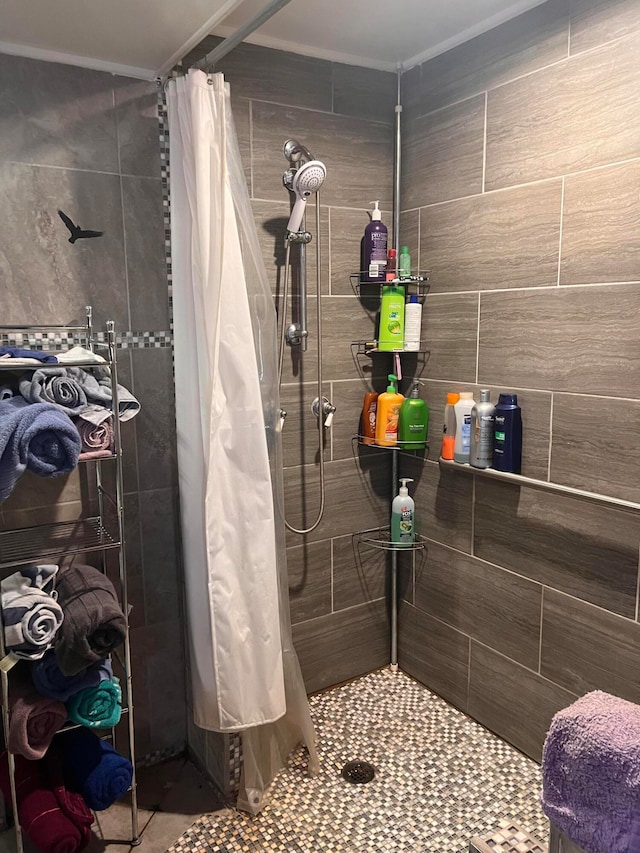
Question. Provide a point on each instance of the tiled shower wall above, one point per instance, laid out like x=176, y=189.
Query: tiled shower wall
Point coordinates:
x=87, y=142
x=521, y=188
x=344, y=115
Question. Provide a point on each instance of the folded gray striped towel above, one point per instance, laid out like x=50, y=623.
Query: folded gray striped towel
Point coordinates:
x=30, y=611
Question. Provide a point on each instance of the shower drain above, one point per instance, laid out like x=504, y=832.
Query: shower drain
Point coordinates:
x=359, y=772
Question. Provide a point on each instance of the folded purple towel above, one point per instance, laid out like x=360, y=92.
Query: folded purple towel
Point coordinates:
x=591, y=773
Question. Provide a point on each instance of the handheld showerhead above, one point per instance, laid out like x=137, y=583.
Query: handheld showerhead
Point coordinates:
x=308, y=179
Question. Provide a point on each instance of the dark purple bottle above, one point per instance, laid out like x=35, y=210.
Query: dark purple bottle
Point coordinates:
x=507, y=437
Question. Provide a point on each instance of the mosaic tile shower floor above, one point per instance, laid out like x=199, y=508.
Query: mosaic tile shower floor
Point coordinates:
x=441, y=779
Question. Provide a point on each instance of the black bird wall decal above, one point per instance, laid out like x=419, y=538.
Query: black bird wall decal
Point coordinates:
x=76, y=232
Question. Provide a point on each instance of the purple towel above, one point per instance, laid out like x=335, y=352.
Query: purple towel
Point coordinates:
x=591, y=773
x=49, y=680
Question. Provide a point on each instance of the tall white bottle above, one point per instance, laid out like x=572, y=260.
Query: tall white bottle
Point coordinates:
x=462, y=448
x=412, y=324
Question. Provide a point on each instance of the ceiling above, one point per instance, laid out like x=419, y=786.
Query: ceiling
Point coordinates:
x=145, y=38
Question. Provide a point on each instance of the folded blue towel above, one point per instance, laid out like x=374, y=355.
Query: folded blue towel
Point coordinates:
x=56, y=387
x=94, y=768
x=37, y=437
x=49, y=680
x=14, y=352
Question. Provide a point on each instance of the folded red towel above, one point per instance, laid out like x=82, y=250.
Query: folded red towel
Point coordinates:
x=43, y=822
x=71, y=803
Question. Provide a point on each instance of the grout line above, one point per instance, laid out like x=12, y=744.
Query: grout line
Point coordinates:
x=541, y=620
x=569, y=36
x=124, y=230
x=522, y=388
x=329, y=269
x=560, y=231
x=531, y=289
x=550, y=439
x=419, y=240
x=333, y=86
x=484, y=140
x=478, y=340
x=638, y=593
x=251, y=146
x=68, y=168
x=377, y=122
x=473, y=517
x=331, y=573
x=469, y=673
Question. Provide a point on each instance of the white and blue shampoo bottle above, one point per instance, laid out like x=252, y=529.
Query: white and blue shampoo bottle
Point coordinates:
x=403, y=531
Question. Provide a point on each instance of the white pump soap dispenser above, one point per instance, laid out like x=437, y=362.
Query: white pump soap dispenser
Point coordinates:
x=403, y=532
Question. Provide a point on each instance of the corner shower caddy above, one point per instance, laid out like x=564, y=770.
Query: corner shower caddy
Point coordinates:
x=380, y=537
x=95, y=534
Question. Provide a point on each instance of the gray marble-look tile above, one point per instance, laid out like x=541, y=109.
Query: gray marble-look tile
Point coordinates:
x=167, y=695
x=161, y=560
x=585, y=648
x=582, y=457
x=364, y=92
x=321, y=643
x=521, y=45
x=49, y=513
x=494, y=240
x=578, y=339
x=442, y=154
x=309, y=568
x=585, y=550
x=357, y=153
x=357, y=496
x=34, y=492
x=300, y=438
x=45, y=278
x=599, y=226
x=264, y=74
x=443, y=502
x=512, y=701
x=434, y=654
x=128, y=432
x=56, y=115
x=410, y=92
x=155, y=424
x=571, y=116
x=359, y=573
x=489, y=604
x=536, y=415
x=450, y=330
x=138, y=129
x=145, y=253
x=594, y=22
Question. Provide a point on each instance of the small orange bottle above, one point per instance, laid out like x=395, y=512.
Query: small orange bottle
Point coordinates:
x=388, y=413
x=449, y=430
x=368, y=421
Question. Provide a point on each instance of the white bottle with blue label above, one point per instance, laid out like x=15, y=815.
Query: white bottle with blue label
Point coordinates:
x=462, y=447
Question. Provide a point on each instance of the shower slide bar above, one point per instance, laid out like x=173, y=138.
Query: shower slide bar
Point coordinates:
x=542, y=486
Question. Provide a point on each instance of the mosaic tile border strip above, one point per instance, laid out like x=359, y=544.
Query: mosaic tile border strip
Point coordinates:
x=160, y=755
x=61, y=340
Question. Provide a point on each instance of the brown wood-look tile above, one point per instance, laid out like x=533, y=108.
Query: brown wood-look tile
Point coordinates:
x=442, y=154
x=358, y=154
x=347, y=229
x=359, y=573
x=582, y=457
x=348, y=398
x=345, y=320
x=512, y=701
x=321, y=644
x=574, y=115
x=536, y=415
x=364, y=92
x=241, y=111
x=411, y=92
x=300, y=438
x=410, y=235
x=264, y=74
x=594, y=22
x=489, y=604
x=357, y=496
x=309, y=569
x=585, y=648
x=600, y=226
x=459, y=239
x=443, y=502
x=519, y=46
x=449, y=332
x=299, y=366
x=434, y=654
x=579, y=339
x=585, y=550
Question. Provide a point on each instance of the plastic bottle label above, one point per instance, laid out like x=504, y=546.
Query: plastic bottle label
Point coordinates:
x=500, y=436
x=406, y=525
x=465, y=432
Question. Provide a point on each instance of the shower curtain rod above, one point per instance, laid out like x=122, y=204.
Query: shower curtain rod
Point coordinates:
x=207, y=62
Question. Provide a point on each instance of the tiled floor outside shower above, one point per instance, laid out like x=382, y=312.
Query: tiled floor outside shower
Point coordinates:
x=441, y=779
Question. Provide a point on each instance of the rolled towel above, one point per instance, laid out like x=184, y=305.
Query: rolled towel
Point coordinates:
x=97, y=388
x=36, y=355
x=43, y=822
x=56, y=387
x=31, y=615
x=97, y=439
x=49, y=680
x=97, y=707
x=70, y=802
x=94, y=768
x=38, y=437
x=94, y=624
x=591, y=773
x=6, y=392
x=33, y=722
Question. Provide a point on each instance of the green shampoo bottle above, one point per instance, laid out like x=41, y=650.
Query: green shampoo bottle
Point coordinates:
x=413, y=423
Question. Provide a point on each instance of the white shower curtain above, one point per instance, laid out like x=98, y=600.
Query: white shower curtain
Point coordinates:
x=244, y=671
